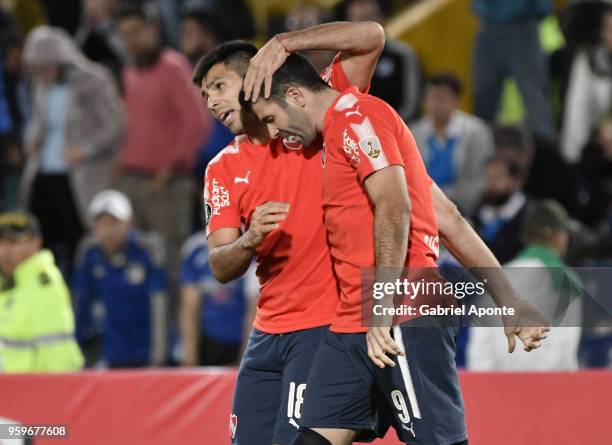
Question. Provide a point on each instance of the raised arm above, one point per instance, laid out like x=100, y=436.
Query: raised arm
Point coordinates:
x=359, y=42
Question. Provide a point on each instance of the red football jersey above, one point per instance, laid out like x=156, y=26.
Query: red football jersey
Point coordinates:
x=297, y=285
x=363, y=134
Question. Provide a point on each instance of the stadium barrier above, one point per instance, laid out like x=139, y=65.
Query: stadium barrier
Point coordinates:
x=170, y=407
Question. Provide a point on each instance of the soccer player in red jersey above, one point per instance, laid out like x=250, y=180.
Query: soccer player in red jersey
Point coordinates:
x=380, y=214
x=262, y=200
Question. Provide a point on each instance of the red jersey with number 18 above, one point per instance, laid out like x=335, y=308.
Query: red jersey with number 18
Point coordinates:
x=297, y=285
x=363, y=134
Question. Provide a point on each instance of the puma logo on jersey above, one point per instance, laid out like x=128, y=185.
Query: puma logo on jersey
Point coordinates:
x=245, y=180
x=354, y=113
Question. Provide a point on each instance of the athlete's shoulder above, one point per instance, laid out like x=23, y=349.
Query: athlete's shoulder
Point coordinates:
x=354, y=108
x=234, y=153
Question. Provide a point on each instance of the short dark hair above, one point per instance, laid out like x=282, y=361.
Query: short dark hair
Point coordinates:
x=447, y=80
x=543, y=219
x=515, y=136
x=513, y=168
x=206, y=21
x=341, y=10
x=236, y=53
x=296, y=71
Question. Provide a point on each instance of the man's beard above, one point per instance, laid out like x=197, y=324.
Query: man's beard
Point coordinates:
x=148, y=59
x=496, y=199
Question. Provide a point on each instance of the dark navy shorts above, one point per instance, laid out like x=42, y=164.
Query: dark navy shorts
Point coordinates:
x=420, y=397
x=271, y=383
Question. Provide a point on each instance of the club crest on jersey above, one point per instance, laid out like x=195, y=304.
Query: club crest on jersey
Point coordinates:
x=135, y=274
x=233, y=425
x=371, y=146
x=291, y=143
x=351, y=149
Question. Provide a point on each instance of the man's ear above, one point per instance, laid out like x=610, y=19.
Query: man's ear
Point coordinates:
x=295, y=97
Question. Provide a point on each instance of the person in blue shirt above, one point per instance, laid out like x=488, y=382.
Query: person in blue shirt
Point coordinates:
x=214, y=317
x=121, y=270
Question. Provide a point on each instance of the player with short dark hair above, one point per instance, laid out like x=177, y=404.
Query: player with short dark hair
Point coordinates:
x=260, y=194
x=380, y=215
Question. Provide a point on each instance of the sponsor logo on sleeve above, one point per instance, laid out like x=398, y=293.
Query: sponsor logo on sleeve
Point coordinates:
x=207, y=213
x=219, y=198
x=351, y=149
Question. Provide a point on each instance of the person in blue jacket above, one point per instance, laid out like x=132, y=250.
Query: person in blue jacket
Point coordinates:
x=214, y=318
x=120, y=287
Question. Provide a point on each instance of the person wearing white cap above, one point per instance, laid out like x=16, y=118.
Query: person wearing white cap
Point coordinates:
x=121, y=270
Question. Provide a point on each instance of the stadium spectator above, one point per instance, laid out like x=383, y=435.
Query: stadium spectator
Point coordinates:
x=37, y=329
x=545, y=173
x=453, y=144
x=596, y=178
x=122, y=269
x=304, y=16
x=589, y=95
x=200, y=33
x=397, y=79
x=16, y=108
x=98, y=35
x=71, y=139
x=167, y=126
x=233, y=16
x=539, y=275
x=215, y=318
x=508, y=46
x=500, y=215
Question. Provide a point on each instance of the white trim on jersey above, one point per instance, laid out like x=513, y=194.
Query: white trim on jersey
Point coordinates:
x=346, y=102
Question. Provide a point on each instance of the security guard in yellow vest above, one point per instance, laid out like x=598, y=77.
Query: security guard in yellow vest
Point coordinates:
x=36, y=317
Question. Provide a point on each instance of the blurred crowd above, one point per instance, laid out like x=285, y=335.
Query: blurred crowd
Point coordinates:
x=104, y=141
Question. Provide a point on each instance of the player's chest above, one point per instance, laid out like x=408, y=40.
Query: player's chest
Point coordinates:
x=339, y=180
x=287, y=177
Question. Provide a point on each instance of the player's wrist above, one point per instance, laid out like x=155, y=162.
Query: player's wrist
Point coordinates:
x=283, y=41
x=247, y=241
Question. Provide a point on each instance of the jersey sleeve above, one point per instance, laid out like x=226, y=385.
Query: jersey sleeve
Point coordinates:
x=335, y=76
x=370, y=138
x=219, y=210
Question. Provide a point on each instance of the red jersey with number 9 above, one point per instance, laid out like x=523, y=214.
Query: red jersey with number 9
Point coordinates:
x=363, y=134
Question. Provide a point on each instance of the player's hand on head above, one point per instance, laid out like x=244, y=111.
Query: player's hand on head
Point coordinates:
x=262, y=67
x=380, y=343
x=528, y=324
x=266, y=218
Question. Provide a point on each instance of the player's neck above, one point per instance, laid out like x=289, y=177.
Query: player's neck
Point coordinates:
x=324, y=100
x=255, y=129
